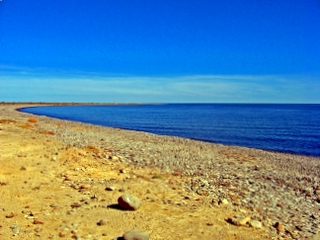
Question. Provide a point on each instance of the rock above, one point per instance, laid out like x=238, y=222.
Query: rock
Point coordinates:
x=110, y=188
x=101, y=222
x=36, y=221
x=129, y=202
x=223, y=201
x=279, y=226
x=54, y=205
x=279, y=205
x=32, y=120
x=38, y=229
x=255, y=224
x=243, y=221
x=75, y=205
x=115, y=158
x=238, y=221
x=10, y=215
x=135, y=235
x=15, y=228
x=85, y=186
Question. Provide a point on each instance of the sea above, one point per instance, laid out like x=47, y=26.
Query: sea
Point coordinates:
x=290, y=128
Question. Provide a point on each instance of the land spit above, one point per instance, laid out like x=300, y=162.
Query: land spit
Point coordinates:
x=62, y=179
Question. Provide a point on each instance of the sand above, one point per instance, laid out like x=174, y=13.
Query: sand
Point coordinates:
x=62, y=179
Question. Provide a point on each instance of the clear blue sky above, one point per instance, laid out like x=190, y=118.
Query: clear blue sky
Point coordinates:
x=160, y=51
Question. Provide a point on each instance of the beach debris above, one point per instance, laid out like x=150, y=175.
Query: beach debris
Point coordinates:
x=136, y=235
x=129, y=202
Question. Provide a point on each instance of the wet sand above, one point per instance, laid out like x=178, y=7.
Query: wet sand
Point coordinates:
x=59, y=179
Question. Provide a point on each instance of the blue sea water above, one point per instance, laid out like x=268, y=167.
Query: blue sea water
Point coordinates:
x=292, y=128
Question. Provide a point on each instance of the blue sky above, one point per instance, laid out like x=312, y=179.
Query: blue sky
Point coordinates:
x=160, y=51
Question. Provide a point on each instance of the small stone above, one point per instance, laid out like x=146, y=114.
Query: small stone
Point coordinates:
x=136, y=235
x=129, y=202
x=67, y=178
x=280, y=205
x=110, y=188
x=88, y=236
x=36, y=221
x=75, y=205
x=54, y=205
x=308, y=194
x=101, y=222
x=123, y=171
x=23, y=168
x=15, y=228
x=318, y=198
x=94, y=197
x=32, y=120
x=255, y=224
x=279, y=226
x=243, y=221
x=86, y=186
x=10, y=215
x=115, y=158
x=223, y=201
x=38, y=229
x=239, y=221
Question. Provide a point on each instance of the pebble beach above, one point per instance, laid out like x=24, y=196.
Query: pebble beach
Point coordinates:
x=62, y=180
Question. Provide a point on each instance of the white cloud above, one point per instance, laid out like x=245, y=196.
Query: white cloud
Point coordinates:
x=196, y=88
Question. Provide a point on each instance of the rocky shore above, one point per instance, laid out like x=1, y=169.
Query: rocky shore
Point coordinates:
x=62, y=179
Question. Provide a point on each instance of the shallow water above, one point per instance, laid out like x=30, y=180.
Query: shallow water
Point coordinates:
x=289, y=128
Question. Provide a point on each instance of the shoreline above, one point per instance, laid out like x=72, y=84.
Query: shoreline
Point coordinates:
x=34, y=105
x=270, y=187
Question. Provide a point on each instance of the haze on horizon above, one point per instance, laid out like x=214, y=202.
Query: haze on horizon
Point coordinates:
x=160, y=51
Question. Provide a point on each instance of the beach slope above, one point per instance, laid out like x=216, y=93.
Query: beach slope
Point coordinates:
x=62, y=179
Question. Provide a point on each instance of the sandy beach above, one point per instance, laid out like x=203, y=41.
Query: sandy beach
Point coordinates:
x=62, y=180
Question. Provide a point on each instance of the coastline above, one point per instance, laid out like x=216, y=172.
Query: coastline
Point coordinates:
x=203, y=179
x=226, y=124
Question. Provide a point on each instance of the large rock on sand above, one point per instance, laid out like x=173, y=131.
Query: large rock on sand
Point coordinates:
x=129, y=202
x=135, y=235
